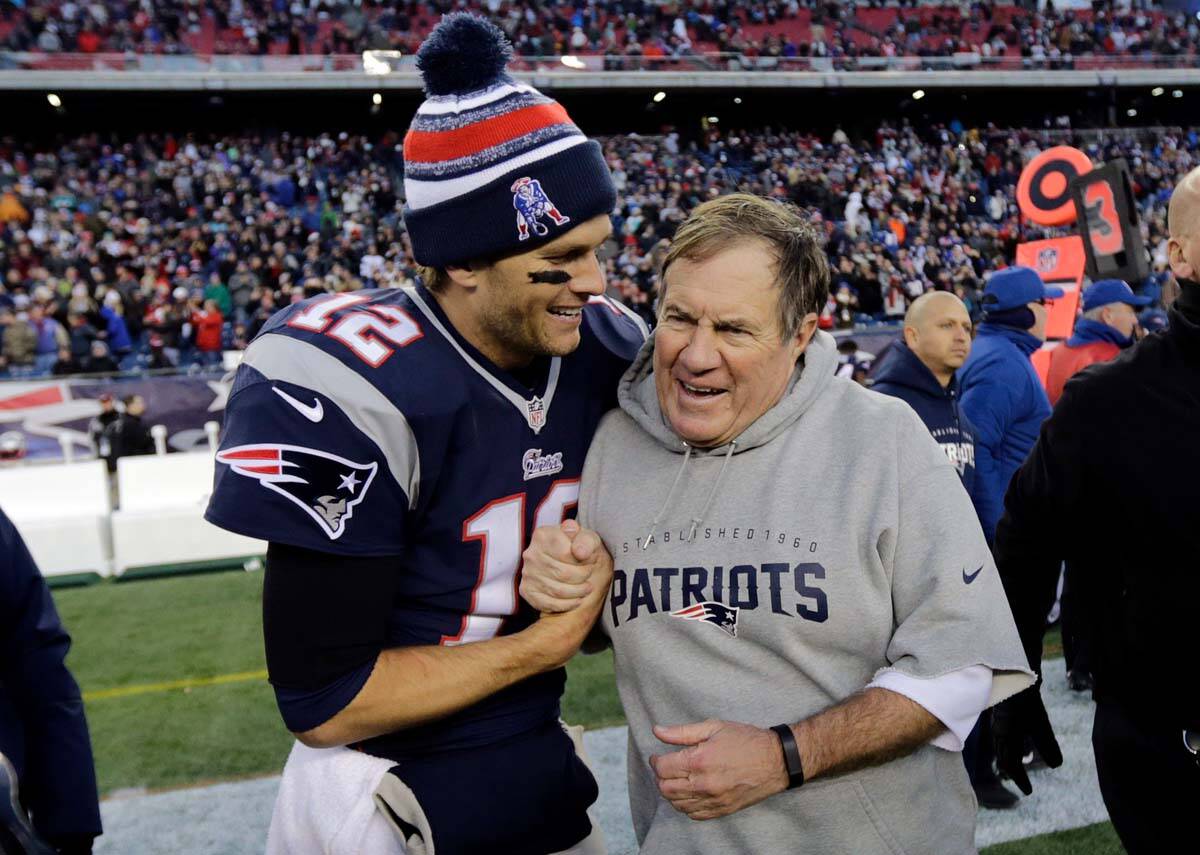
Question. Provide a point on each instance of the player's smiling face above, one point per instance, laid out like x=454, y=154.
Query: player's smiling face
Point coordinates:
x=719, y=358
x=531, y=304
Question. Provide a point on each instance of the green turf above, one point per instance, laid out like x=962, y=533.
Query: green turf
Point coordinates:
x=187, y=736
x=1099, y=839
x=165, y=629
x=591, y=696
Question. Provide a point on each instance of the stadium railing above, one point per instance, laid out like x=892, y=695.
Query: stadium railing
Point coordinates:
x=386, y=62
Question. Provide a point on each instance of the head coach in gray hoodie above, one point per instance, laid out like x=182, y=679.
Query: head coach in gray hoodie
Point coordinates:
x=804, y=612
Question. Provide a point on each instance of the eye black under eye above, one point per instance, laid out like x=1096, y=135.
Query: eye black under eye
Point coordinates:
x=550, y=277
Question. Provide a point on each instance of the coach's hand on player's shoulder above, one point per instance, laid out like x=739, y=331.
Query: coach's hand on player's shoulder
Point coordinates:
x=557, y=568
x=725, y=766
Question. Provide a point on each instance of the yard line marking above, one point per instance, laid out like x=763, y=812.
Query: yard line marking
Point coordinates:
x=148, y=688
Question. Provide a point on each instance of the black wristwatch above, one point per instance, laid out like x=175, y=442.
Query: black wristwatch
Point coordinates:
x=791, y=755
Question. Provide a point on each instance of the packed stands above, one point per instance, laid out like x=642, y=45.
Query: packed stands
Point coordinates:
x=155, y=252
x=708, y=34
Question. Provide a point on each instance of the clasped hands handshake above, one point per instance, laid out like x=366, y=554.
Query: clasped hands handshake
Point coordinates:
x=723, y=766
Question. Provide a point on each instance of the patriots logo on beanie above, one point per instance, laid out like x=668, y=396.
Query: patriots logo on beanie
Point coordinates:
x=485, y=149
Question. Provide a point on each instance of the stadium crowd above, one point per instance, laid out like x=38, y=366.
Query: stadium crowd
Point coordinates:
x=156, y=252
x=629, y=33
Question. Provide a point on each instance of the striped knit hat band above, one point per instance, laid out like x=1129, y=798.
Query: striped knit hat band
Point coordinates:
x=492, y=166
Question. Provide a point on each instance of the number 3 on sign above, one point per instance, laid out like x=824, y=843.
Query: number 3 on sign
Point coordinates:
x=499, y=526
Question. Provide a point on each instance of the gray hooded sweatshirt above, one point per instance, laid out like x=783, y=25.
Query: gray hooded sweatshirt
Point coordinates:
x=768, y=579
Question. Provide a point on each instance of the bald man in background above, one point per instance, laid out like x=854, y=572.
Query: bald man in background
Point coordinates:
x=921, y=369
x=1123, y=444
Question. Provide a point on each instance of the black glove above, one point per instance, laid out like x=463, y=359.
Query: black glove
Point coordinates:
x=1023, y=716
x=71, y=844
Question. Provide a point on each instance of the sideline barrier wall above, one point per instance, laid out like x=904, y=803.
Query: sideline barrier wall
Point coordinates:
x=62, y=511
x=161, y=520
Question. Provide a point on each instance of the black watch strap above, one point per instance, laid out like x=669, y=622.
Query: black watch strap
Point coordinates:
x=791, y=755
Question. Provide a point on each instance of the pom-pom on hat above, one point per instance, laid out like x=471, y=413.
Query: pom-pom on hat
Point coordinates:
x=492, y=166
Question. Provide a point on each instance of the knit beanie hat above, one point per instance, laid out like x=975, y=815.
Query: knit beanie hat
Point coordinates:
x=492, y=166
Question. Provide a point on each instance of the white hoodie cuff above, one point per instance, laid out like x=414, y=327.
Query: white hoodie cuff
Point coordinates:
x=956, y=699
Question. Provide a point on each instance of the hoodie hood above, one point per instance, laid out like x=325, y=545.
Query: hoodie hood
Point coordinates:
x=1025, y=341
x=1088, y=331
x=638, y=397
x=903, y=368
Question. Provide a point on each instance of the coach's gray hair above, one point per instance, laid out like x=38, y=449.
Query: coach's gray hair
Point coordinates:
x=802, y=270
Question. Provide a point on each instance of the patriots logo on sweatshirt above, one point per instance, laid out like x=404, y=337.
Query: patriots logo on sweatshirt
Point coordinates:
x=721, y=616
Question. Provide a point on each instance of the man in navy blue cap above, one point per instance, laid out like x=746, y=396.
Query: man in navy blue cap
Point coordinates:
x=1107, y=327
x=1004, y=400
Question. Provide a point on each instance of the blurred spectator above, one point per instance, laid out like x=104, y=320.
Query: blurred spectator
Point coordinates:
x=216, y=291
x=852, y=362
x=207, y=323
x=67, y=363
x=158, y=359
x=129, y=434
x=81, y=335
x=98, y=427
x=49, y=337
x=19, y=341
x=116, y=333
x=99, y=360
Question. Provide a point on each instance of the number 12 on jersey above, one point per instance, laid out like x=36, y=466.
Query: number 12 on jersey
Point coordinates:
x=499, y=526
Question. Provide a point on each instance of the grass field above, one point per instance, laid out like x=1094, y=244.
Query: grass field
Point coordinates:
x=173, y=675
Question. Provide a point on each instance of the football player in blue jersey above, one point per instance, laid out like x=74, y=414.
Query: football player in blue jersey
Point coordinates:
x=397, y=447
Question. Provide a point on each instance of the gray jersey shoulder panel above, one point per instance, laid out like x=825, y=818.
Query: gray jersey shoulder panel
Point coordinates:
x=280, y=357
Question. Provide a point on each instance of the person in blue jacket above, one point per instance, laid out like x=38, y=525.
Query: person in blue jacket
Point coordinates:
x=921, y=371
x=43, y=731
x=117, y=333
x=1001, y=393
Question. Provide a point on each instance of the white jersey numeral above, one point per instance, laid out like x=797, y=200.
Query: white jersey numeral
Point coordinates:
x=500, y=528
x=316, y=317
x=361, y=329
x=358, y=331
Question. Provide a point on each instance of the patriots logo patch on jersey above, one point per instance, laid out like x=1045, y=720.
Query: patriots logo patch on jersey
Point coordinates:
x=721, y=616
x=325, y=486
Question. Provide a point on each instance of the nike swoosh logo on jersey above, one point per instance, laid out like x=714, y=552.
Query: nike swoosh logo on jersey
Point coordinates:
x=971, y=578
x=313, y=412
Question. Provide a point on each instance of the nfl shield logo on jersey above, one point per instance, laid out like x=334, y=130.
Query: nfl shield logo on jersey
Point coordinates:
x=535, y=413
x=532, y=204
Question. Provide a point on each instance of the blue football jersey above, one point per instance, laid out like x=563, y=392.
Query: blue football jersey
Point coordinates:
x=363, y=424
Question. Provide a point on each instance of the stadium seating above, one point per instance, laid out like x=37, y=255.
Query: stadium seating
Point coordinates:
x=161, y=519
x=62, y=512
